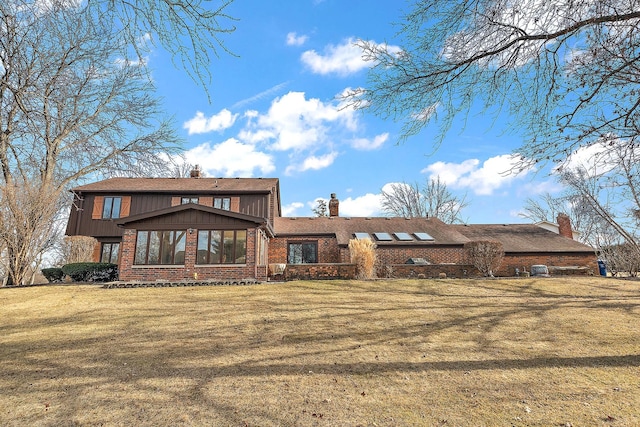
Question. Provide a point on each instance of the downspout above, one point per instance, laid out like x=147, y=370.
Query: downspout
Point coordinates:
x=80, y=211
x=255, y=254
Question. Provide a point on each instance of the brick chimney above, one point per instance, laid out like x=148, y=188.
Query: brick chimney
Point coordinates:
x=333, y=205
x=564, y=226
x=196, y=172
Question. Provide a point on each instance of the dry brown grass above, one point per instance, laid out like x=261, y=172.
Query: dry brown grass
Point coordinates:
x=549, y=352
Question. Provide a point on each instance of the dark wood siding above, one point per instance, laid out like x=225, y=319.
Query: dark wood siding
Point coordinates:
x=190, y=219
x=255, y=205
x=81, y=223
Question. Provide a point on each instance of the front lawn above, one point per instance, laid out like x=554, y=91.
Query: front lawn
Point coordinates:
x=526, y=352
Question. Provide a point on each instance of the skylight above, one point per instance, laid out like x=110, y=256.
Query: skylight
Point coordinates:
x=361, y=236
x=403, y=236
x=383, y=236
x=423, y=236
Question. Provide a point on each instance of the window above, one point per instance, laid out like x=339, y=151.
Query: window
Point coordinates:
x=222, y=247
x=111, y=208
x=160, y=247
x=109, y=252
x=362, y=236
x=303, y=253
x=185, y=200
x=222, y=203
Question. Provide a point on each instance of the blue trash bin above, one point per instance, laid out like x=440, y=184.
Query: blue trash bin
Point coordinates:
x=602, y=267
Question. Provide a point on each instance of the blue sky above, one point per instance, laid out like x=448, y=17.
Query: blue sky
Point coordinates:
x=274, y=112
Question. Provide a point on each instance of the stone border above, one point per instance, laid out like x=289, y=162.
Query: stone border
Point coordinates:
x=168, y=284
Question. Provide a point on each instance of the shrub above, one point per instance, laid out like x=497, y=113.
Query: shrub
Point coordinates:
x=53, y=275
x=91, y=271
x=76, y=249
x=486, y=255
x=363, y=255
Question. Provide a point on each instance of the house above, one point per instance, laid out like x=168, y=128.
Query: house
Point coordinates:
x=232, y=229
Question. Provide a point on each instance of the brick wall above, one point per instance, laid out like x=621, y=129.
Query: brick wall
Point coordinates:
x=414, y=271
x=435, y=255
x=130, y=272
x=525, y=261
x=328, y=250
x=318, y=271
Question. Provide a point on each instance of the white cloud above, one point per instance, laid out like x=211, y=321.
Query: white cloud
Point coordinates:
x=297, y=123
x=343, y=59
x=495, y=173
x=291, y=209
x=240, y=160
x=293, y=39
x=218, y=122
x=596, y=159
x=369, y=144
x=313, y=163
x=367, y=205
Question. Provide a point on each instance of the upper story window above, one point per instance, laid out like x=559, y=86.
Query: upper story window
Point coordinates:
x=185, y=200
x=222, y=203
x=111, y=207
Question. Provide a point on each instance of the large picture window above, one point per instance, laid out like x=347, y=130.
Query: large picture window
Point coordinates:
x=111, y=207
x=303, y=253
x=222, y=247
x=160, y=247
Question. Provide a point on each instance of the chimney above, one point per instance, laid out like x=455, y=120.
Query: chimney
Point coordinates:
x=564, y=226
x=195, y=172
x=333, y=205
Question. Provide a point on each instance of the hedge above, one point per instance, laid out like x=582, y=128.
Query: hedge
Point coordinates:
x=53, y=275
x=91, y=271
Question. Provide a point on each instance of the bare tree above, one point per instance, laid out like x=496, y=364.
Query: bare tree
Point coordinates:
x=321, y=209
x=77, y=249
x=567, y=71
x=485, y=255
x=607, y=187
x=583, y=218
x=191, y=31
x=74, y=103
x=433, y=200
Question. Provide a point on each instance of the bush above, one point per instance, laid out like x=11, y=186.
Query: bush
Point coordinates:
x=363, y=255
x=91, y=271
x=486, y=255
x=53, y=275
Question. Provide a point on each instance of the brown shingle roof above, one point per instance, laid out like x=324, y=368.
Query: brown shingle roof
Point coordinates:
x=344, y=229
x=522, y=237
x=181, y=185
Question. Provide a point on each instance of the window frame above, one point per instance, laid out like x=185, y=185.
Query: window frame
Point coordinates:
x=110, y=203
x=186, y=200
x=171, y=243
x=111, y=254
x=223, y=203
x=226, y=255
x=302, y=244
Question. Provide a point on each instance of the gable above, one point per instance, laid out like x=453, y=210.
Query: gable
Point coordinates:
x=190, y=216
